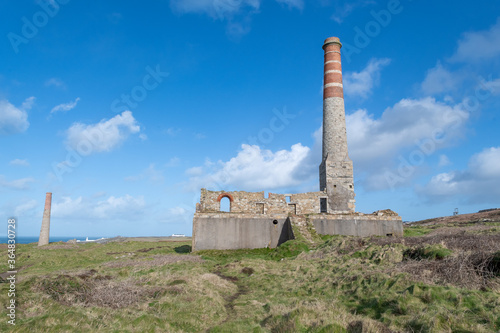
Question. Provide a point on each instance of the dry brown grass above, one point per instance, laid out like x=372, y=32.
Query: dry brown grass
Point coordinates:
x=90, y=289
x=158, y=260
x=475, y=262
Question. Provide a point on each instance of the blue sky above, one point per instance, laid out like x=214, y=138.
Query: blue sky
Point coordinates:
x=124, y=110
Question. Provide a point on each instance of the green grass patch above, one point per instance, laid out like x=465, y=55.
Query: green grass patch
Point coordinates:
x=415, y=231
x=429, y=252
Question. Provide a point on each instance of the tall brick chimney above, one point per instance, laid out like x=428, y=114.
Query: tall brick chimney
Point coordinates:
x=335, y=171
x=45, y=230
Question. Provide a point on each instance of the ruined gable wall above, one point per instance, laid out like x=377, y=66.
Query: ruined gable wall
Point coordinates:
x=256, y=203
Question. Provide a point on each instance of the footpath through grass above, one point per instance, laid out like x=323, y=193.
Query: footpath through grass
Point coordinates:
x=329, y=284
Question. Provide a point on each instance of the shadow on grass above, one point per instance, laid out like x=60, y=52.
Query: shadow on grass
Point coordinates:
x=183, y=249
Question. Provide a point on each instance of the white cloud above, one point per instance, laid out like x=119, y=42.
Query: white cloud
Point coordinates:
x=67, y=207
x=361, y=83
x=406, y=133
x=299, y=4
x=493, y=86
x=438, y=80
x=26, y=208
x=65, y=106
x=150, y=173
x=376, y=146
x=17, y=184
x=124, y=207
x=237, y=13
x=14, y=120
x=344, y=9
x=478, y=45
x=173, y=162
x=55, y=82
x=103, y=136
x=443, y=161
x=195, y=171
x=479, y=183
x=116, y=207
x=253, y=169
x=28, y=103
x=177, y=211
x=400, y=126
x=19, y=162
x=172, y=131
x=215, y=8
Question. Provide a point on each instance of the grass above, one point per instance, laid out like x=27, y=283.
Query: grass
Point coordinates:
x=414, y=231
x=329, y=284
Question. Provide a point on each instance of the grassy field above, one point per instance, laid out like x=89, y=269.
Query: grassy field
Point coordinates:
x=436, y=279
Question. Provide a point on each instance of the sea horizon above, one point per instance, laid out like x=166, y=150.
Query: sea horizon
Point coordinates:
x=34, y=239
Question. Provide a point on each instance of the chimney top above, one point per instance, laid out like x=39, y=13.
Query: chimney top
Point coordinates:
x=332, y=40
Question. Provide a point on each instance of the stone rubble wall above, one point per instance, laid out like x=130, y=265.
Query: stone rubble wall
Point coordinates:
x=257, y=203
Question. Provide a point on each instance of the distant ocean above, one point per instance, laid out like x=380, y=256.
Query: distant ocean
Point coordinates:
x=27, y=240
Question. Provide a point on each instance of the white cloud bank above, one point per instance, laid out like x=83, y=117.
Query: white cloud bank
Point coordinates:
x=479, y=183
x=103, y=136
x=388, y=151
x=14, y=120
x=411, y=128
x=124, y=207
x=362, y=83
x=253, y=168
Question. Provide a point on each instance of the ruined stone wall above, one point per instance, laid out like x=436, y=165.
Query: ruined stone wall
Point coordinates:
x=257, y=203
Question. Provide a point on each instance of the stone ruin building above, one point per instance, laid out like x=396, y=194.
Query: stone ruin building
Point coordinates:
x=255, y=221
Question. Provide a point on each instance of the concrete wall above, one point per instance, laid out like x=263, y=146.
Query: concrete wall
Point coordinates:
x=227, y=231
x=357, y=225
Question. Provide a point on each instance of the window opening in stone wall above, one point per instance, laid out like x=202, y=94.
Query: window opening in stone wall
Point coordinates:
x=287, y=198
x=225, y=204
x=260, y=208
x=322, y=205
x=350, y=186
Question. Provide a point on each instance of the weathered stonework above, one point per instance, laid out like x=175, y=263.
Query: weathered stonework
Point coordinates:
x=256, y=221
x=45, y=229
x=257, y=203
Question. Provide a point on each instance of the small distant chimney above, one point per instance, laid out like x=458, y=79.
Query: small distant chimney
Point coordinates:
x=45, y=230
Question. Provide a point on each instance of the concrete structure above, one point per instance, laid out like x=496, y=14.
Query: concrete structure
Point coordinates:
x=45, y=230
x=254, y=221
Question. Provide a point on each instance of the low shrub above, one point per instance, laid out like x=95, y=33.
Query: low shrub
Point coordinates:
x=430, y=252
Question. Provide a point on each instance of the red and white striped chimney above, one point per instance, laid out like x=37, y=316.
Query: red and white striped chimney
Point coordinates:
x=334, y=128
